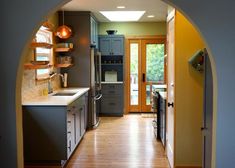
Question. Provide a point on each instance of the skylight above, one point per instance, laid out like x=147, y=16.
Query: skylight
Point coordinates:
x=123, y=16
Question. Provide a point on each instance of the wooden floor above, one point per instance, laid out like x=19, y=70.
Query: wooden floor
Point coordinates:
x=126, y=142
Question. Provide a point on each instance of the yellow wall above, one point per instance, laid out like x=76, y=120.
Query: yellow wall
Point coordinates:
x=134, y=28
x=188, y=95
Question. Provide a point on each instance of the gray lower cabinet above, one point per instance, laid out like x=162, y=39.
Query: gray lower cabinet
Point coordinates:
x=112, y=100
x=51, y=133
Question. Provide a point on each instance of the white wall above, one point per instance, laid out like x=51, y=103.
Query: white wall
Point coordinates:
x=214, y=18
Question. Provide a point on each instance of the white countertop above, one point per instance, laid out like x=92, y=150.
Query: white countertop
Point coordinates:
x=163, y=95
x=51, y=100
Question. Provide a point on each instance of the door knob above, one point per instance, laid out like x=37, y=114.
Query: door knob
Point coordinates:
x=203, y=128
x=170, y=104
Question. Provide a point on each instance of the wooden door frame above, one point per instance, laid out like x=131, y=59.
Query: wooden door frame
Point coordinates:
x=127, y=64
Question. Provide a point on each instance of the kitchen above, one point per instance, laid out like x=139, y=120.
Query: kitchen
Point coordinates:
x=82, y=64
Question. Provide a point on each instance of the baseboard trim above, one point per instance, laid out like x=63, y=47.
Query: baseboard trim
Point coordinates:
x=188, y=166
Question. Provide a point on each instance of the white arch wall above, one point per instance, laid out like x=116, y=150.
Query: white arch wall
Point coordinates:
x=214, y=18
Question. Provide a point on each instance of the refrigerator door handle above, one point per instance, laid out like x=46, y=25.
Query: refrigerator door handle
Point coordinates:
x=98, y=97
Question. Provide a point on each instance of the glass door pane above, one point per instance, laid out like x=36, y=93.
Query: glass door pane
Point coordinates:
x=134, y=71
x=154, y=68
x=155, y=63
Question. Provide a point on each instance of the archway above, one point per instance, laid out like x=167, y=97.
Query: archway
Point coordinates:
x=218, y=48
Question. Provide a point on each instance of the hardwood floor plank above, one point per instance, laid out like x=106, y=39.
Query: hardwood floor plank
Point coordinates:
x=120, y=142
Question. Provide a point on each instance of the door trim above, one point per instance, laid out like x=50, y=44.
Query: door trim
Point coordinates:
x=170, y=17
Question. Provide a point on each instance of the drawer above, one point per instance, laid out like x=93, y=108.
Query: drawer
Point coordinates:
x=112, y=105
x=112, y=89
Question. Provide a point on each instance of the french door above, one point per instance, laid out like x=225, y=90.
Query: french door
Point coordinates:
x=145, y=70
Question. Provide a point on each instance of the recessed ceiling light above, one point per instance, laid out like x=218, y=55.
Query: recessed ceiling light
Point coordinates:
x=150, y=16
x=123, y=16
x=121, y=7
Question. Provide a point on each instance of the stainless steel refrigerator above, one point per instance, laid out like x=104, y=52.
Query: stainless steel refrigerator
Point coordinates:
x=95, y=86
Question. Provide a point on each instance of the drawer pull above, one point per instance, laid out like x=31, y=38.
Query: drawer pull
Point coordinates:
x=69, y=121
x=112, y=104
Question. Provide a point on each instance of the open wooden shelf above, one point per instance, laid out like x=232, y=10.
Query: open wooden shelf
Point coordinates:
x=32, y=66
x=63, y=49
x=41, y=45
x=63, y=65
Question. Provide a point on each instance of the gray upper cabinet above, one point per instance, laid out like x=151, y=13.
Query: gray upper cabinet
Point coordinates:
x=105, y=46
x=117, y=46
x=111, y=45
x=94, y=32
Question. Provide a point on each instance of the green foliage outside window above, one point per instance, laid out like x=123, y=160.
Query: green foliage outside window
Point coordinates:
x=155, y=63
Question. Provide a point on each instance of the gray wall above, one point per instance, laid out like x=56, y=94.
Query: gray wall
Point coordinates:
x=214, y=18
x=19, y=21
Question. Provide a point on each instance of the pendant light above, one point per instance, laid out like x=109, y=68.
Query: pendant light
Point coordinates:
x=63, y=31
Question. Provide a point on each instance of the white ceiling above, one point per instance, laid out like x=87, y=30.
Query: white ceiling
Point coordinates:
x=152, y=7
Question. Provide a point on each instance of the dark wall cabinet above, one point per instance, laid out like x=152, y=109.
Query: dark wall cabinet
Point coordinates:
x=94, y=32
x=84, y=34
x=112, y=100
x=111, y=45
x=51, y=133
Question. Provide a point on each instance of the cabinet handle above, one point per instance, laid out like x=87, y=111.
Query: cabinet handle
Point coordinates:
x=69, y=121
x=69, y=146
x=69, y=132
x=81, y=109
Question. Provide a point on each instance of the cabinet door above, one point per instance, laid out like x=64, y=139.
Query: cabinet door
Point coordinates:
x=82, y=119
x=117, y=46
x=105, y=44
x=112, y=105
x=70, y=131
x=94, y=32
x=77, y=124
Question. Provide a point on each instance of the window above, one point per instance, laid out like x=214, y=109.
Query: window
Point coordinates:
x=43, y=54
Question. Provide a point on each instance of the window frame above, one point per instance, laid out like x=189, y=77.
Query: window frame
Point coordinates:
x=49, y=39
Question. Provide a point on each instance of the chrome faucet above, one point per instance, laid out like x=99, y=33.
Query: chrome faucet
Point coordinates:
x=50, y=88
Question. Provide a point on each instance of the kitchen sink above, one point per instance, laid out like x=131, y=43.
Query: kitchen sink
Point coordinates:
x=65, y=94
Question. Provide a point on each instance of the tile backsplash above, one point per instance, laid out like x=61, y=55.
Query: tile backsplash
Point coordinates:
x=32, y=88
